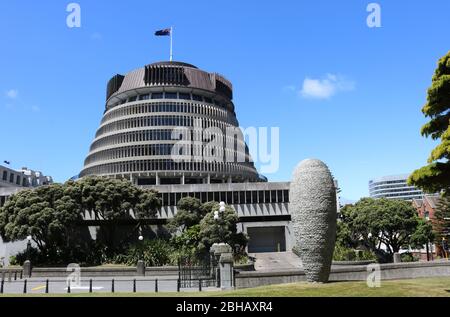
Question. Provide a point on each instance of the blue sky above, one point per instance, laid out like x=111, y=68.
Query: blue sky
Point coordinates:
x=338, y=90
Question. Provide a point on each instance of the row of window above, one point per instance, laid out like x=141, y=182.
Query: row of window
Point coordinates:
x=152, y=121
x=246, y=169
x=160, y=135
x=398, y=181
x=14, y=179
x=171, y=95
x=396, y=192
x=231, y=197
x=210, y=111
x=191, y=150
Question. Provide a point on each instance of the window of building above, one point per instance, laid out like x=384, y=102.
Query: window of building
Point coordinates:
x=157, y=95
x=18, y=180
x=131, y=99
x=144, y=97
x=185, y=96
x=5, y=175
x=197, y=97
x=267, y=196
x=11, y=178
x=208, y=100
x=286, y=196
x=171, y=95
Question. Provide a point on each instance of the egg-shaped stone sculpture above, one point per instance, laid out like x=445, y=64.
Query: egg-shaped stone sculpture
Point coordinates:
x=313, y=208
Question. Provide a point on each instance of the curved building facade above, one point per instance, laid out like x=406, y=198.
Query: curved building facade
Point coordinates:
x=170, y=123
x=394, y=187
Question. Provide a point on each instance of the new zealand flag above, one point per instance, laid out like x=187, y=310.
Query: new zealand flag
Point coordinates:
x=163, y=32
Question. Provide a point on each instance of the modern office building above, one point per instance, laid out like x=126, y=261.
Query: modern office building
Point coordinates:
x=172, y=127
x=394, y=187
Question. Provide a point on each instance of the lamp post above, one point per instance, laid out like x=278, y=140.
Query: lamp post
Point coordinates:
x=28, y=247
x=141, y=246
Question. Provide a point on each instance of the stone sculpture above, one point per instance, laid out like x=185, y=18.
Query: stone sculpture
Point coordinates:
x=313, y=208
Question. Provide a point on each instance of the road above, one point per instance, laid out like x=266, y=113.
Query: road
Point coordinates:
x=99, y=284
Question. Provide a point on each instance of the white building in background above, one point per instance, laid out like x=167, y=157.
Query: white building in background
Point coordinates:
x=394, y=187
x=11, y=182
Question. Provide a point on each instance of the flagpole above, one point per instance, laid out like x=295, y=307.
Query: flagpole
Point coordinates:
x=171, y=44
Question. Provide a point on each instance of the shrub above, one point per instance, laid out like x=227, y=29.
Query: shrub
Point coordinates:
x=408, y=257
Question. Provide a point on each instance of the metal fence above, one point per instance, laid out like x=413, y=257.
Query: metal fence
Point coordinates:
x=100, y=285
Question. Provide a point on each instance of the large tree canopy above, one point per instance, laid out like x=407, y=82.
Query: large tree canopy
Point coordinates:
x=52, y=214
x=48, y=214
x=383, y=226
x=436, y=175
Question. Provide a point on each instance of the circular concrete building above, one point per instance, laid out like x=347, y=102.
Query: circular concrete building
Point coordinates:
x=170, y=123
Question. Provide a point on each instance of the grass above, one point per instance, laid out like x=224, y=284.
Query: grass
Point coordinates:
x=425, y=287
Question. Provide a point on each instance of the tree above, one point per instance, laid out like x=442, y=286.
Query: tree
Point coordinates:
x=222, y=230
x=436, y=175
x=441, y=219
x=189, y=213
x=383, y=226
x=49, y=215
x=112, y=200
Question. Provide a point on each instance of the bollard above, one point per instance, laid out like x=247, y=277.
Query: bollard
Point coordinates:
x=90, y=286
x=46, y=286
x=25, y=286
x=200, y=285
x=15, y=276
x=2, y=286
x=21, y=274
x=68, y=288
x=112, y=286
x=156, y=286
x=178, y=285
x=134, y=286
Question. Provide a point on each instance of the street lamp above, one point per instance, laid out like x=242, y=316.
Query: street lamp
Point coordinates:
x=141, y=239
x=28, y=247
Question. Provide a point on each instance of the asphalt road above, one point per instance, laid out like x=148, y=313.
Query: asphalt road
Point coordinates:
x=99, y=284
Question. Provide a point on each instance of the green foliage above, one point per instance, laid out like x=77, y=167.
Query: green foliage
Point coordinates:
x=342, y=253
x=370, y=223
x=189, y=213
x=441, y=219
x=49, y=215
x=52, y=215
x=223, y=230
x=187, y=242
x=155, y=252
x=436, y=176
x=408, y=257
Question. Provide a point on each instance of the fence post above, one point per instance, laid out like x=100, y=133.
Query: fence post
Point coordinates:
x=25, y=286
x=156, y=286
x=90, y=286
x=178, y=285
x=2, y=285
x=112, y=286
x=200, y=285
x=15, y=276
x=68, y=288
x=21, y=274
x=134, y=286
x=46, y=286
